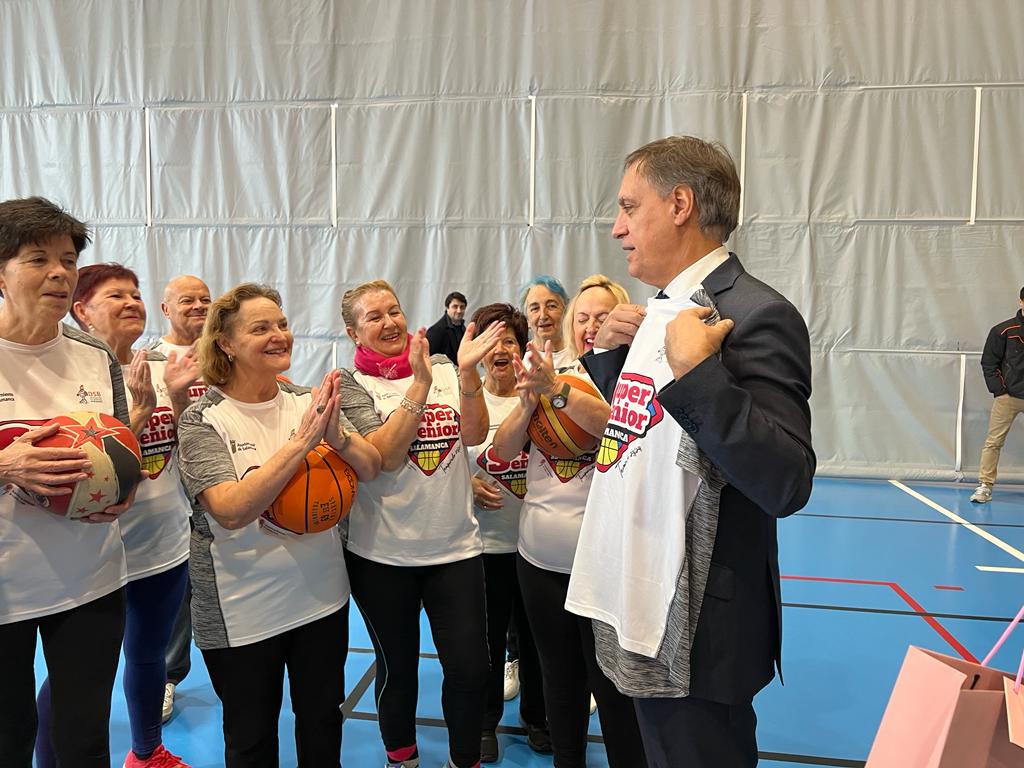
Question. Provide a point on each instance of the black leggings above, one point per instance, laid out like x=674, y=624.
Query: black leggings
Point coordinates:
x=81, y=646
x=503, y=600
x=565, y=644
x=389, y=597
x=249, y=680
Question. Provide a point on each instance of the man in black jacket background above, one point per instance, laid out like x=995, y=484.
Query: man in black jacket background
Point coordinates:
x=446, y=334
x=1002, y=362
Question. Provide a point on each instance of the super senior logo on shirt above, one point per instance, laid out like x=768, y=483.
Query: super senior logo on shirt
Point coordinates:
x=635, y=410
x=511, y=474
x=438, y=433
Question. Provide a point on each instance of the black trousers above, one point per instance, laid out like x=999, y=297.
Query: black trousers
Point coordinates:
x=452, y=594
x=81, y=646
x=697, y=733
x=565, y=645
x=249, y=680
x=503, y=599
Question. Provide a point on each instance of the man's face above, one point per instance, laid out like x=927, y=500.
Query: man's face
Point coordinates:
x=646, y=226
x=456, y=310
x=186, y=301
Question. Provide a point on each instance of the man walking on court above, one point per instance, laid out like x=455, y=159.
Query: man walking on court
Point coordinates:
x=1002, y=362
x=708, y=444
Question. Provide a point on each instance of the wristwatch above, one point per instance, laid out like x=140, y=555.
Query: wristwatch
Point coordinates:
x=558, y=401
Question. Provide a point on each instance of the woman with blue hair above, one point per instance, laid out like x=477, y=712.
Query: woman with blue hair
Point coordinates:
x=544, y=300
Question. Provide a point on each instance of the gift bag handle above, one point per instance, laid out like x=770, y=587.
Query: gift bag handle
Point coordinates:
x=1020, y=673
x=1002, y=639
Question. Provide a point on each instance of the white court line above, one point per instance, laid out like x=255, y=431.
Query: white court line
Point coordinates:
x=957, y=519
x=998, y=569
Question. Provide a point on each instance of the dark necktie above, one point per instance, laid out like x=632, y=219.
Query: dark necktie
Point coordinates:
x=661, y=295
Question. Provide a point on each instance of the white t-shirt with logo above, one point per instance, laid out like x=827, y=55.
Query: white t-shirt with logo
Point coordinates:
x=633, y=541
x=499, y=528
x=252, y=583
x=422, y=513
x=155, y=528
x=49, y=563
x=552, y=512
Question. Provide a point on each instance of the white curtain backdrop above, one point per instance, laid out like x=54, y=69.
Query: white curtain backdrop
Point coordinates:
x=468, y=144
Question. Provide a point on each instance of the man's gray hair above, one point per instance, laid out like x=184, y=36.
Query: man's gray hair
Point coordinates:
x=703, y=166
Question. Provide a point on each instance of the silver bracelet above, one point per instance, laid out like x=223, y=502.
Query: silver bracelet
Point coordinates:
x=471, y=393
x=416, y=409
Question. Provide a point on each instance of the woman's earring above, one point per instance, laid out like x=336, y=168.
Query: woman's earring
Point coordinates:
x=231, y=358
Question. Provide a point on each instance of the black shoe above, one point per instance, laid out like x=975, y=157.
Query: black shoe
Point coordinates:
x=488, y=747
x=538, y=738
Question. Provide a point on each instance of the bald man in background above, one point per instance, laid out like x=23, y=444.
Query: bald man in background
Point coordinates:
x=186, y=299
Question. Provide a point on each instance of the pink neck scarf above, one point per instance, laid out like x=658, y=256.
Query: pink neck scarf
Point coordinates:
x=375, y=364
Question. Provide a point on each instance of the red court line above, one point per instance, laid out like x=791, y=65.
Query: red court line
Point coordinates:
x=946, y=586
x=944, y=633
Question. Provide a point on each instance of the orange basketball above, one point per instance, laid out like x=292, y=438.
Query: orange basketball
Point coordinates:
x=556, y=434
x=319, y=494
x=112, y=449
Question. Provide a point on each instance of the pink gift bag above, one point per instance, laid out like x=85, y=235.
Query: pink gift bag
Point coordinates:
x=945, y=712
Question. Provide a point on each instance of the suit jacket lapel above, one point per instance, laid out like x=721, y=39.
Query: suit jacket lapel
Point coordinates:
x=723, y=278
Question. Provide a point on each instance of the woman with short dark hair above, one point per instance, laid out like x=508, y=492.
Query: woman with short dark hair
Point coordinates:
x=63, y=579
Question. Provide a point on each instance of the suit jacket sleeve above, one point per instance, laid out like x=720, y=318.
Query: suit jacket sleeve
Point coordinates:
x=604, y=369
x=992, y=361
x=748, y=409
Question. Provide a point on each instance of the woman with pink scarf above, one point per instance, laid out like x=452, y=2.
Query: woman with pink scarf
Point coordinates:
x=412, y=537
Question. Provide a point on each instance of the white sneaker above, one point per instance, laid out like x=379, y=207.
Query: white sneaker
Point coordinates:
x=511, y=679
x=593, y=704
x=982, y=494
x=168, y=702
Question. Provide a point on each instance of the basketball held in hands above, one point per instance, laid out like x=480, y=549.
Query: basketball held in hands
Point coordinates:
x=317, y=496
x=116, y=460
x=554, y=433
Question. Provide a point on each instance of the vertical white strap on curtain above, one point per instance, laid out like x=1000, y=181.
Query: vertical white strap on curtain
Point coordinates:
x=334, y=167
x=977, y=147
x=149, y=162
x=960, y=416
x=743, y=157
x=533, y=157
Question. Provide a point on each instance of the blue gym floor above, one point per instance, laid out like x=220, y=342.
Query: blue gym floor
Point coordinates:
x=868, y=569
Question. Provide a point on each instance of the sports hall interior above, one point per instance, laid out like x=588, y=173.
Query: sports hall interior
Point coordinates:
x=463, y=145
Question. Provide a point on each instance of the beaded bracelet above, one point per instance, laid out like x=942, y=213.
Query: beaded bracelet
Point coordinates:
x=471, y=393
x=416, y=409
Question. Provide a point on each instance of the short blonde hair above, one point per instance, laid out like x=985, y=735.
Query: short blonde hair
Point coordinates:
x=348, y=301
x=594, y=281
x=220, y=317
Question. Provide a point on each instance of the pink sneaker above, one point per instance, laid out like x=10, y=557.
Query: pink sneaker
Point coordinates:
x=160, y=758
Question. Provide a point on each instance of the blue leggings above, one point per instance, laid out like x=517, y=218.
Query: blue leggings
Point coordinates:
x=151, y=606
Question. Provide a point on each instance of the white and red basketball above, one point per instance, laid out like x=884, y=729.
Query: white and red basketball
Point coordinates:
x=115, y=456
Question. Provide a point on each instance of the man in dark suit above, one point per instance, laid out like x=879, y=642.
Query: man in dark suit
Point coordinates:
x=739, y=390
x=446, y=334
